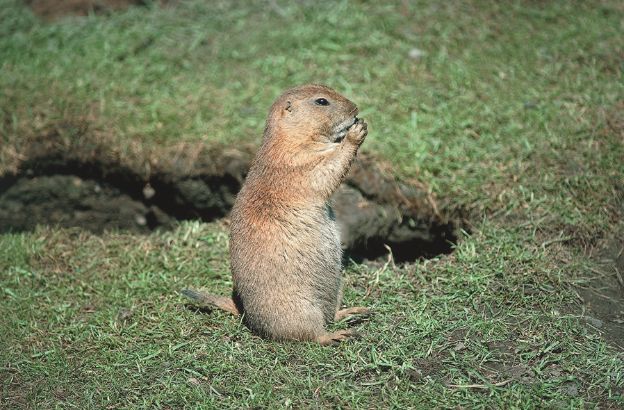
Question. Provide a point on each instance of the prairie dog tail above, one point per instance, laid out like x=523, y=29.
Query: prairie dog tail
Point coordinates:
x=207, y=299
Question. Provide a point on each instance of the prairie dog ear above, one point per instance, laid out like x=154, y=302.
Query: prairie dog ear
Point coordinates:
x=289, y=106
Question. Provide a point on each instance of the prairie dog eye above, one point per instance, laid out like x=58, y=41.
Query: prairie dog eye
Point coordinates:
x=321, y=101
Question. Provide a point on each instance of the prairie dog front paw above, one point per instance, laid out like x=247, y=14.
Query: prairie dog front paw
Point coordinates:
x=358, y=132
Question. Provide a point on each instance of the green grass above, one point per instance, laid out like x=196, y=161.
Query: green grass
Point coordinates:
x=513, y=117
x=454, y=321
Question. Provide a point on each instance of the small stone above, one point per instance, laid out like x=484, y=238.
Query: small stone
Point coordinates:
x=124, y=314
x=570, y=389
x=148, y=191
x=530, y=105
x=597, y=323
x=140, y=220
x=416, y=54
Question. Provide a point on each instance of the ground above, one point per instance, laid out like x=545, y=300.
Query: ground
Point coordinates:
x=493, y=169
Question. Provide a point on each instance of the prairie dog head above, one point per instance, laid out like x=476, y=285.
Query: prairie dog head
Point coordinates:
x=313, y=117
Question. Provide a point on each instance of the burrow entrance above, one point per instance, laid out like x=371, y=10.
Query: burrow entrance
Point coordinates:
x=94, y=190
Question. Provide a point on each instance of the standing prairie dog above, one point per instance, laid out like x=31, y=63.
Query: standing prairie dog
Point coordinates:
x=285, y=248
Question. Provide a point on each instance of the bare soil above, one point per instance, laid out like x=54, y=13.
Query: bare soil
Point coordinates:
x=54, y=9
x=603, y=297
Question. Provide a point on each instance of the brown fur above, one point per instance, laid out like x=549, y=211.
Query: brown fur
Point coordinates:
x=284, y=244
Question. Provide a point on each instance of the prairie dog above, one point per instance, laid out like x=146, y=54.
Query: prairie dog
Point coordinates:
x=285, y=251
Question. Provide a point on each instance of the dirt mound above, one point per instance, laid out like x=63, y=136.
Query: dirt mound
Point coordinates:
x=89, y=186
x=68, y=200
x=603, y=296
x=53, y=9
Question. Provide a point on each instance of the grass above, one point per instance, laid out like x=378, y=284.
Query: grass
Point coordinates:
x=111, y=331
x=513, y=117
